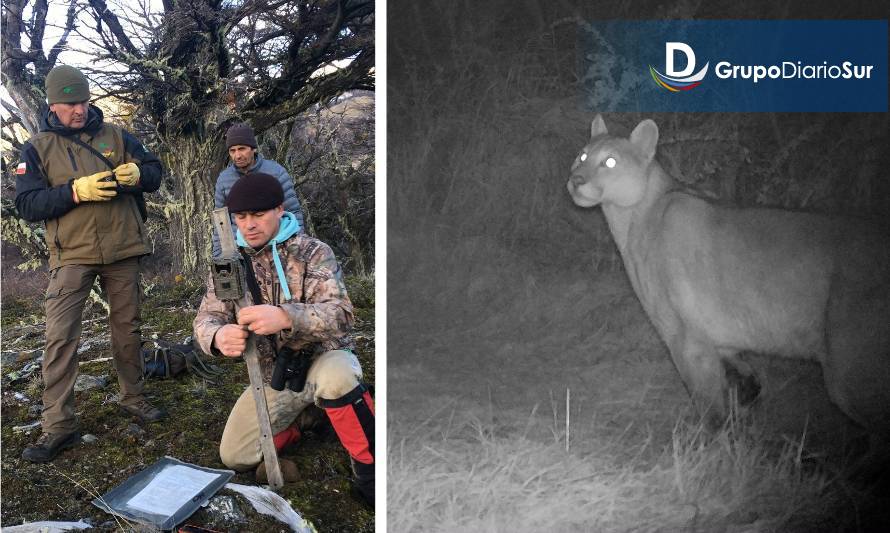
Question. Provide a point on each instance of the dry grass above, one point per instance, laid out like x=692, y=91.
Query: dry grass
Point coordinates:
x=472, y=356
x=468, y=476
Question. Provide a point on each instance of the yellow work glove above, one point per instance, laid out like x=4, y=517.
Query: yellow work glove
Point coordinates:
x=127, y=174
x=98, y=187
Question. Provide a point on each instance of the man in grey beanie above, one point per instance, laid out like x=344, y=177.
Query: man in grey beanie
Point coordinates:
x=84, y=178
x=242, y=146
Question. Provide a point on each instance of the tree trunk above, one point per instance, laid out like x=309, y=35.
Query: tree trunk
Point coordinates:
x=24, y=85
x=193, y=166
x=30, y=104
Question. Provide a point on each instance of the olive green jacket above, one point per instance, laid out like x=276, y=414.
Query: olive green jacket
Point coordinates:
x=89, y=232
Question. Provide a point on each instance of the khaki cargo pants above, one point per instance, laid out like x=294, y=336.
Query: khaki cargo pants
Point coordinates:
x=69, y=287
x=332, y=375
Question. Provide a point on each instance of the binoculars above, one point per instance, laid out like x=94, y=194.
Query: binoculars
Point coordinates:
x=291, y=369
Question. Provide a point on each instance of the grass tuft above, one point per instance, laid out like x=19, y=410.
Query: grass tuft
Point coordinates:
x=468, y=475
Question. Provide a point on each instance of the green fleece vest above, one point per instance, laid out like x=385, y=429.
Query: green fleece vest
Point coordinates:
x=93, y=232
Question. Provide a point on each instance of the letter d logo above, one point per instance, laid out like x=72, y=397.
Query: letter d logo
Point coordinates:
x=670, y=50
x=676, y=81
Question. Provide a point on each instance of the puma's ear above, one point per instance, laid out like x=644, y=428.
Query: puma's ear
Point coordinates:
x=645, y=137
x=598, y=127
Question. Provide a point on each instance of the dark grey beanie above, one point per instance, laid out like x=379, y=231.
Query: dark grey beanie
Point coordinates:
x=255, y=192
x=240, y=134
x=66, y=85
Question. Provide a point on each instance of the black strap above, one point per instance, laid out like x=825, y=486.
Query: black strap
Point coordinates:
x=254, y=288
x=351, y=397
x=134, y=190
x=97, y=153
x=251, y=279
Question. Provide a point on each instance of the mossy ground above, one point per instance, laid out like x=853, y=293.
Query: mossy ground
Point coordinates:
x=17, y=311
x=64, y=488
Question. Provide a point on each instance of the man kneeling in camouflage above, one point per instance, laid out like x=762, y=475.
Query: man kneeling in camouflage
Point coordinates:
x=304, y=308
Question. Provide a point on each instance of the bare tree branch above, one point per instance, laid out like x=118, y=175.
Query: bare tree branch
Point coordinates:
x=37, y=27
x=251, y=58
x=10, y=135
x=62, y=43
x=13, y=26
x=323, y=88
x=110, y=19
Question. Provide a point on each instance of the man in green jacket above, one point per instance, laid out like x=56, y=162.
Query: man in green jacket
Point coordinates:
x=85, y=178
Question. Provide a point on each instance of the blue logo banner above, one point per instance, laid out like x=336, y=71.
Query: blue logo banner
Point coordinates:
x=735, y=65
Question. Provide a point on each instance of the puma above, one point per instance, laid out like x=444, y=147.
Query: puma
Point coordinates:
x=717, y=280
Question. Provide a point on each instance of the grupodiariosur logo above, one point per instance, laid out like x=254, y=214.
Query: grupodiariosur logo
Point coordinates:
x=682, y=80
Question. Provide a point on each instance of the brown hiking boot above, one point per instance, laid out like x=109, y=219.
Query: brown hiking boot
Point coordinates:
x=49, y=445
x=288, y=472
x=144, y=410
x=312, y=418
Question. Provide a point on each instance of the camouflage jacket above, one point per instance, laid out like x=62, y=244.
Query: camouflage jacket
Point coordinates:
x=319, y=308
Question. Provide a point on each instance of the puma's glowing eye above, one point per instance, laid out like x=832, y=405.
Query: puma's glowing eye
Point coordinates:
x=583, y=156
x=610, y=162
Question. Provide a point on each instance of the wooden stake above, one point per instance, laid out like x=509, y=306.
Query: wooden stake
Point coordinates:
x=270, y=454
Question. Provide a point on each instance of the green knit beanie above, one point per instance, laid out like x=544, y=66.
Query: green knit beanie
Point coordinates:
x=66, y=85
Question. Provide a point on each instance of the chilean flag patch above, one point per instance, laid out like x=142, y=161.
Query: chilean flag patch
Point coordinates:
x=22, y=168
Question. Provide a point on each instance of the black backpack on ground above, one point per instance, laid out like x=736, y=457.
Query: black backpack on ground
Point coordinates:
x=162, y=359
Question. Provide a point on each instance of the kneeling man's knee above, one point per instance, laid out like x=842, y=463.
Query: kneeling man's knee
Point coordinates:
x=239, y=447
x=334, y=374
x=238, y=458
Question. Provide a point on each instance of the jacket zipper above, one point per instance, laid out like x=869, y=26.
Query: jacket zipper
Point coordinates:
x=71, y=157
x=58, y=242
